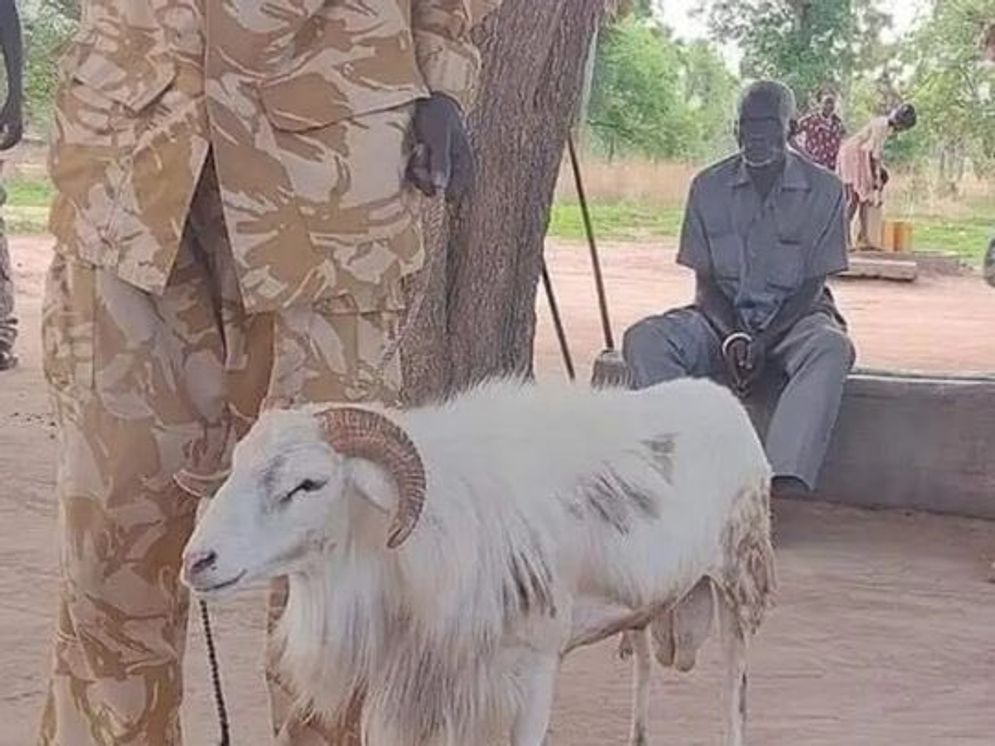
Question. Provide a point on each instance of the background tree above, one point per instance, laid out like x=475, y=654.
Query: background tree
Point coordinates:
x=953, y=90
x=656, y=97
x=804, y=43
x=710, y=92
x=636, y=103
x=48, y=25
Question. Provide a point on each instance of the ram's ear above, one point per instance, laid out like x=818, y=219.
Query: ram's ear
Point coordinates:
x=373, y=484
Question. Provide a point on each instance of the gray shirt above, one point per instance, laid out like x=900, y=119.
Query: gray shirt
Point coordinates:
x=761, y=251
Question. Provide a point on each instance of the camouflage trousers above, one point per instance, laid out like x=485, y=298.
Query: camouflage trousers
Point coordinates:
x=145, y=388
x=8, y=322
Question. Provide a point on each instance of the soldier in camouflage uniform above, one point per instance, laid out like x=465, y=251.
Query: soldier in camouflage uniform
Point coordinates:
x=234, y=216
x=11, y=128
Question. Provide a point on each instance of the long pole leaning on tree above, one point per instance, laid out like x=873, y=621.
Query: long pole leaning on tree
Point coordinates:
x=609, y=367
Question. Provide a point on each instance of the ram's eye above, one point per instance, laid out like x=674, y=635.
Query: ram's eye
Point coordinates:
x=308, y=485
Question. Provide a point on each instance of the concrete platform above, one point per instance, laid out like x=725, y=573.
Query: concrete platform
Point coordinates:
x=881, y=266
x=911, y=441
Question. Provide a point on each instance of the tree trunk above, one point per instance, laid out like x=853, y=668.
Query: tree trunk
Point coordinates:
x=478, y=318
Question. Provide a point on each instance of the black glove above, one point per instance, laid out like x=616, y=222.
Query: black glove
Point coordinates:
x=442, y=158
x=11, y=122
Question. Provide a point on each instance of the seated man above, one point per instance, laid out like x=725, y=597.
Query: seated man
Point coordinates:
x=762, y=231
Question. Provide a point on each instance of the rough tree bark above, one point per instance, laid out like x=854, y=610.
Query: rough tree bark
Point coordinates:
x=478, y=318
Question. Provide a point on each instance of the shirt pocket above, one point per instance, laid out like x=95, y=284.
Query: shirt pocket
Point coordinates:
x=107, y=109
x=109, y=85
x=726, y=250
x=786, y=264
x=358, y=59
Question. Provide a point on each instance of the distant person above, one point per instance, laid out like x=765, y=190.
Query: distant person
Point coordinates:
x=819, y=134
x=11, y=129
x=988, y=54
x=763, y=229
x=861, y=165
x=989, y=263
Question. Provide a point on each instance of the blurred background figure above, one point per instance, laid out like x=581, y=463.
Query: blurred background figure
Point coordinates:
x=11, y=130
x=861, y=168
x=820, y=133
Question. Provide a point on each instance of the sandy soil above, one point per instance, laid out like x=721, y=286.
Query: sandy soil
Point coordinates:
x=884, y=628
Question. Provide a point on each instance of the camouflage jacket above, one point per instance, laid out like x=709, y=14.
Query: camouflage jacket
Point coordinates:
x=305, y=106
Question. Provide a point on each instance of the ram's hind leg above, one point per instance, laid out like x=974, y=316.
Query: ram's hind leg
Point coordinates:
x=735, y=649
x=641, y=668
x=538, y=685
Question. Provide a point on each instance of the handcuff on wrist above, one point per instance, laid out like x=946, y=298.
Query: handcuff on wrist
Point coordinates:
x=732, y=339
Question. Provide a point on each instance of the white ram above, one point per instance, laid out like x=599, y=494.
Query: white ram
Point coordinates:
x=443, y=559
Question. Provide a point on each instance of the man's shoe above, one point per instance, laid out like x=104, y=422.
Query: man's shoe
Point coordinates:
x=8, y=359
x=789, y=487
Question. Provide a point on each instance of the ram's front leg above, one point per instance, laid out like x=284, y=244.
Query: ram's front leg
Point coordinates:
x=639, y=729
x=538, y=684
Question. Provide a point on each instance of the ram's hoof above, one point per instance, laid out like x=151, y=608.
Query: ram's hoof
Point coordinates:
x=625, y=648
x=638, y=737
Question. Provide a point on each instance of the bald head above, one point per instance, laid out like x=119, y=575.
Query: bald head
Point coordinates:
x=766, y=110
x=768, y=98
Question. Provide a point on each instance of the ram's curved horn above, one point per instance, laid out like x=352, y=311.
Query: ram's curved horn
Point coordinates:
x=360, y=433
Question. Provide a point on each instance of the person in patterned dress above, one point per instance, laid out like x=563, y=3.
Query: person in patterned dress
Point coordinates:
x=820, y=133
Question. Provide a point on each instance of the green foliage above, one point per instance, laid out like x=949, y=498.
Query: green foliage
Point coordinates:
x=806, y=44
x=955, y=94
x=657, y=97
x=710, y=91
x=616, y=221
x=28, y=192
x=802, y=44
x=48, y=25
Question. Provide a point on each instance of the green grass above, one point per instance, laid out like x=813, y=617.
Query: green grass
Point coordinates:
x=966, y=236
x=619, y=222
x=28, y=193
x=26, y=210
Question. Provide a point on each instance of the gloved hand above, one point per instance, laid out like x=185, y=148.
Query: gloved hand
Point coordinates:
x=11, y=122
x=744, y=357
x=442, y=159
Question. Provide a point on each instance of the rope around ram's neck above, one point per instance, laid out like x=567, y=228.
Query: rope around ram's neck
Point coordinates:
x=212, y=659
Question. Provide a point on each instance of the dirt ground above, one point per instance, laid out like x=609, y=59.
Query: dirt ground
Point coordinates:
x=937, y=324
x=884, y=628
